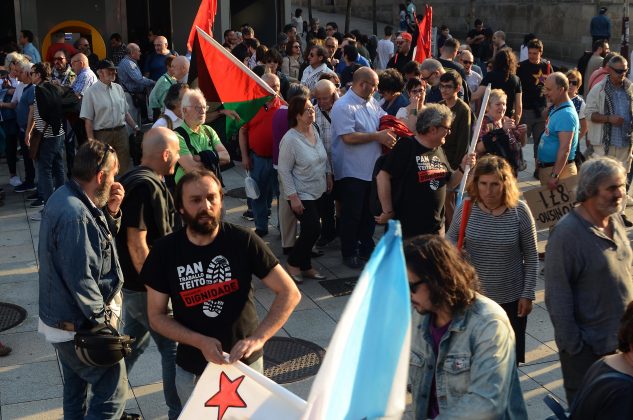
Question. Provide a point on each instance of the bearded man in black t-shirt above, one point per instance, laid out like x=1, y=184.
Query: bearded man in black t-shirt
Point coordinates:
x=206, y=270
x=413, y=179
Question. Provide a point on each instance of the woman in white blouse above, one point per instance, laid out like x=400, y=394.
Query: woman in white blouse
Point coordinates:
x=306, y=175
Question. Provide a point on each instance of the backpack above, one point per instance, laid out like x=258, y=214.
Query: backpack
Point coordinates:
x=209, y=158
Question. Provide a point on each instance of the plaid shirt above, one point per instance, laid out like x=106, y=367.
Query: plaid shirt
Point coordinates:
x=324, y=124
x=84, y=80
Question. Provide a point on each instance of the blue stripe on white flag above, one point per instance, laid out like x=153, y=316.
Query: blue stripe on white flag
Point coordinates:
x=365, y=376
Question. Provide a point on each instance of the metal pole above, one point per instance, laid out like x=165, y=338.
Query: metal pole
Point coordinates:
x=624, y=46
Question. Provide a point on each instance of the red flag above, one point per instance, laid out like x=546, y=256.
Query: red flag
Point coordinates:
x=204, y=19
x=424, y=38
x=223, y=78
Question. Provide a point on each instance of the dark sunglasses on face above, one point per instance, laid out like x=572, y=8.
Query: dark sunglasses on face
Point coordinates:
x=467, y=62
x=619, y=71
x=573, y=82
x=414, y=286
x=59, y=58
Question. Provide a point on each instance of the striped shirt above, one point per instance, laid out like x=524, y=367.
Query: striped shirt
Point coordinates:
x=40, y=124
x=503, y=250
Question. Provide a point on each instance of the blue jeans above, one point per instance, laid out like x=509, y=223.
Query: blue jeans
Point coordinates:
x=186, y=381
x=50, y=166
x=266, y=178
x=136, y=324
x=107, y=384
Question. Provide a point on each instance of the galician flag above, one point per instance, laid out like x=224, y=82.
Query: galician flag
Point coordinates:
x=223, y=78
x=364, y=372
x=228, y=392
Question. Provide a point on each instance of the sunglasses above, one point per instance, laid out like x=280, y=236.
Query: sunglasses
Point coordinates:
x=573, y=82
x=467, y=62
x=59, y=58
x=619, y=71
x=414, y=286
x=448, y=129
x=104, y=158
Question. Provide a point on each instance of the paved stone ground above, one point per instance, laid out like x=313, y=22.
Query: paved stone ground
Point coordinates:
x=30, y=379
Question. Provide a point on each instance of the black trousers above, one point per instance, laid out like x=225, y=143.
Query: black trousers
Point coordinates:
x=357, y=222
x=518, y=325
x=328, y=221
x=29, y=168
x=310, y=230
x=574, y=368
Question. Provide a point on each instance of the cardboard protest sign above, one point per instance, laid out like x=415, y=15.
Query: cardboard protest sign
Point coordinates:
x=549, y=206
x=236, y=391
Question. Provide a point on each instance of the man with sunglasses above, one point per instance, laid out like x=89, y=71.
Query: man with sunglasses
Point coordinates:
x=80, y=278
x=610, y=112
x=462, y=347
x=473, y=79
x=62, y=73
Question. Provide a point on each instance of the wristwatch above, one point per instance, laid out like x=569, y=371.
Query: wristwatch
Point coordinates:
x=553, y=175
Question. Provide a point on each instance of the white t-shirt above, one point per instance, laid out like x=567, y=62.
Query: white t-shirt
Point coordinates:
x=384, y=51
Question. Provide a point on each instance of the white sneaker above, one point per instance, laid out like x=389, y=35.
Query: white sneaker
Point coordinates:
x=15, y=180
x=37, y=217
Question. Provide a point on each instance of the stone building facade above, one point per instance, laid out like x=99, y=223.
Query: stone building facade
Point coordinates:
x=562, y=25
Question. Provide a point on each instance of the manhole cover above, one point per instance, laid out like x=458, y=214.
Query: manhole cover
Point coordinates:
x=239, y=192
x=340, y=287
x=10, y=315
x=289, y=360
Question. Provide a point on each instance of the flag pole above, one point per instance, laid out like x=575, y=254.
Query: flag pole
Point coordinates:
x=473, y=143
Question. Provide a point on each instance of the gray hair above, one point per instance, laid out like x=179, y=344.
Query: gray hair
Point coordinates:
x=188, y=95
x=500, y=34
x=432, y=116
x=617, y=59
x=593, y=173
x=297, y=89
x=561, y=80
x=14, y=56
x=430, y=65
x=25, y=65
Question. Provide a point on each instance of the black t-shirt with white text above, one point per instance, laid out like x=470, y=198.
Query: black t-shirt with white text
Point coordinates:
x=421, y=174
x=210, y=286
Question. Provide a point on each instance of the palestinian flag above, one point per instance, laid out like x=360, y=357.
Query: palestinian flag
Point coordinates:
x=223, y=78
x=204, y=19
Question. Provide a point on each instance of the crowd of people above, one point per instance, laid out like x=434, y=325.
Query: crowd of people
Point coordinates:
x=358, y=133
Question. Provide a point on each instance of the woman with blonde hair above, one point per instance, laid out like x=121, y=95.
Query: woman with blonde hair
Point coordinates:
x=500, y=135
x=500, y=241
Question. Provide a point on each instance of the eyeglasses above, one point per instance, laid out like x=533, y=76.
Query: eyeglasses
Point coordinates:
x=75, y=61
x=104, y=158
x=296, y=46
x=573, y=82
x=448, y=129
x=467, y=62
x=619, y=71
x=59, y=58
x=426, y=79
x=84, y=45
x=414, y=286
x=198, y=108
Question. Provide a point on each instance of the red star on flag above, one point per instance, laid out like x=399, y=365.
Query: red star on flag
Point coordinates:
x=227, y=396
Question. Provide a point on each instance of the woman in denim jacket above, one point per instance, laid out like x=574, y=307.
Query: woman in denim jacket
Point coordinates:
x=462, y=346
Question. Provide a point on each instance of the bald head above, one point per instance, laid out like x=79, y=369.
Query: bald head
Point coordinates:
x=180, y=67
x=325, y=94
x=364, y=74
x=160, y=45
x=273, y=81
x=160, y=150
x=79, y=62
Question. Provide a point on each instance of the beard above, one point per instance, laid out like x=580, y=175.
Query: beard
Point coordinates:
x=102, y=195
x=196, y=224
